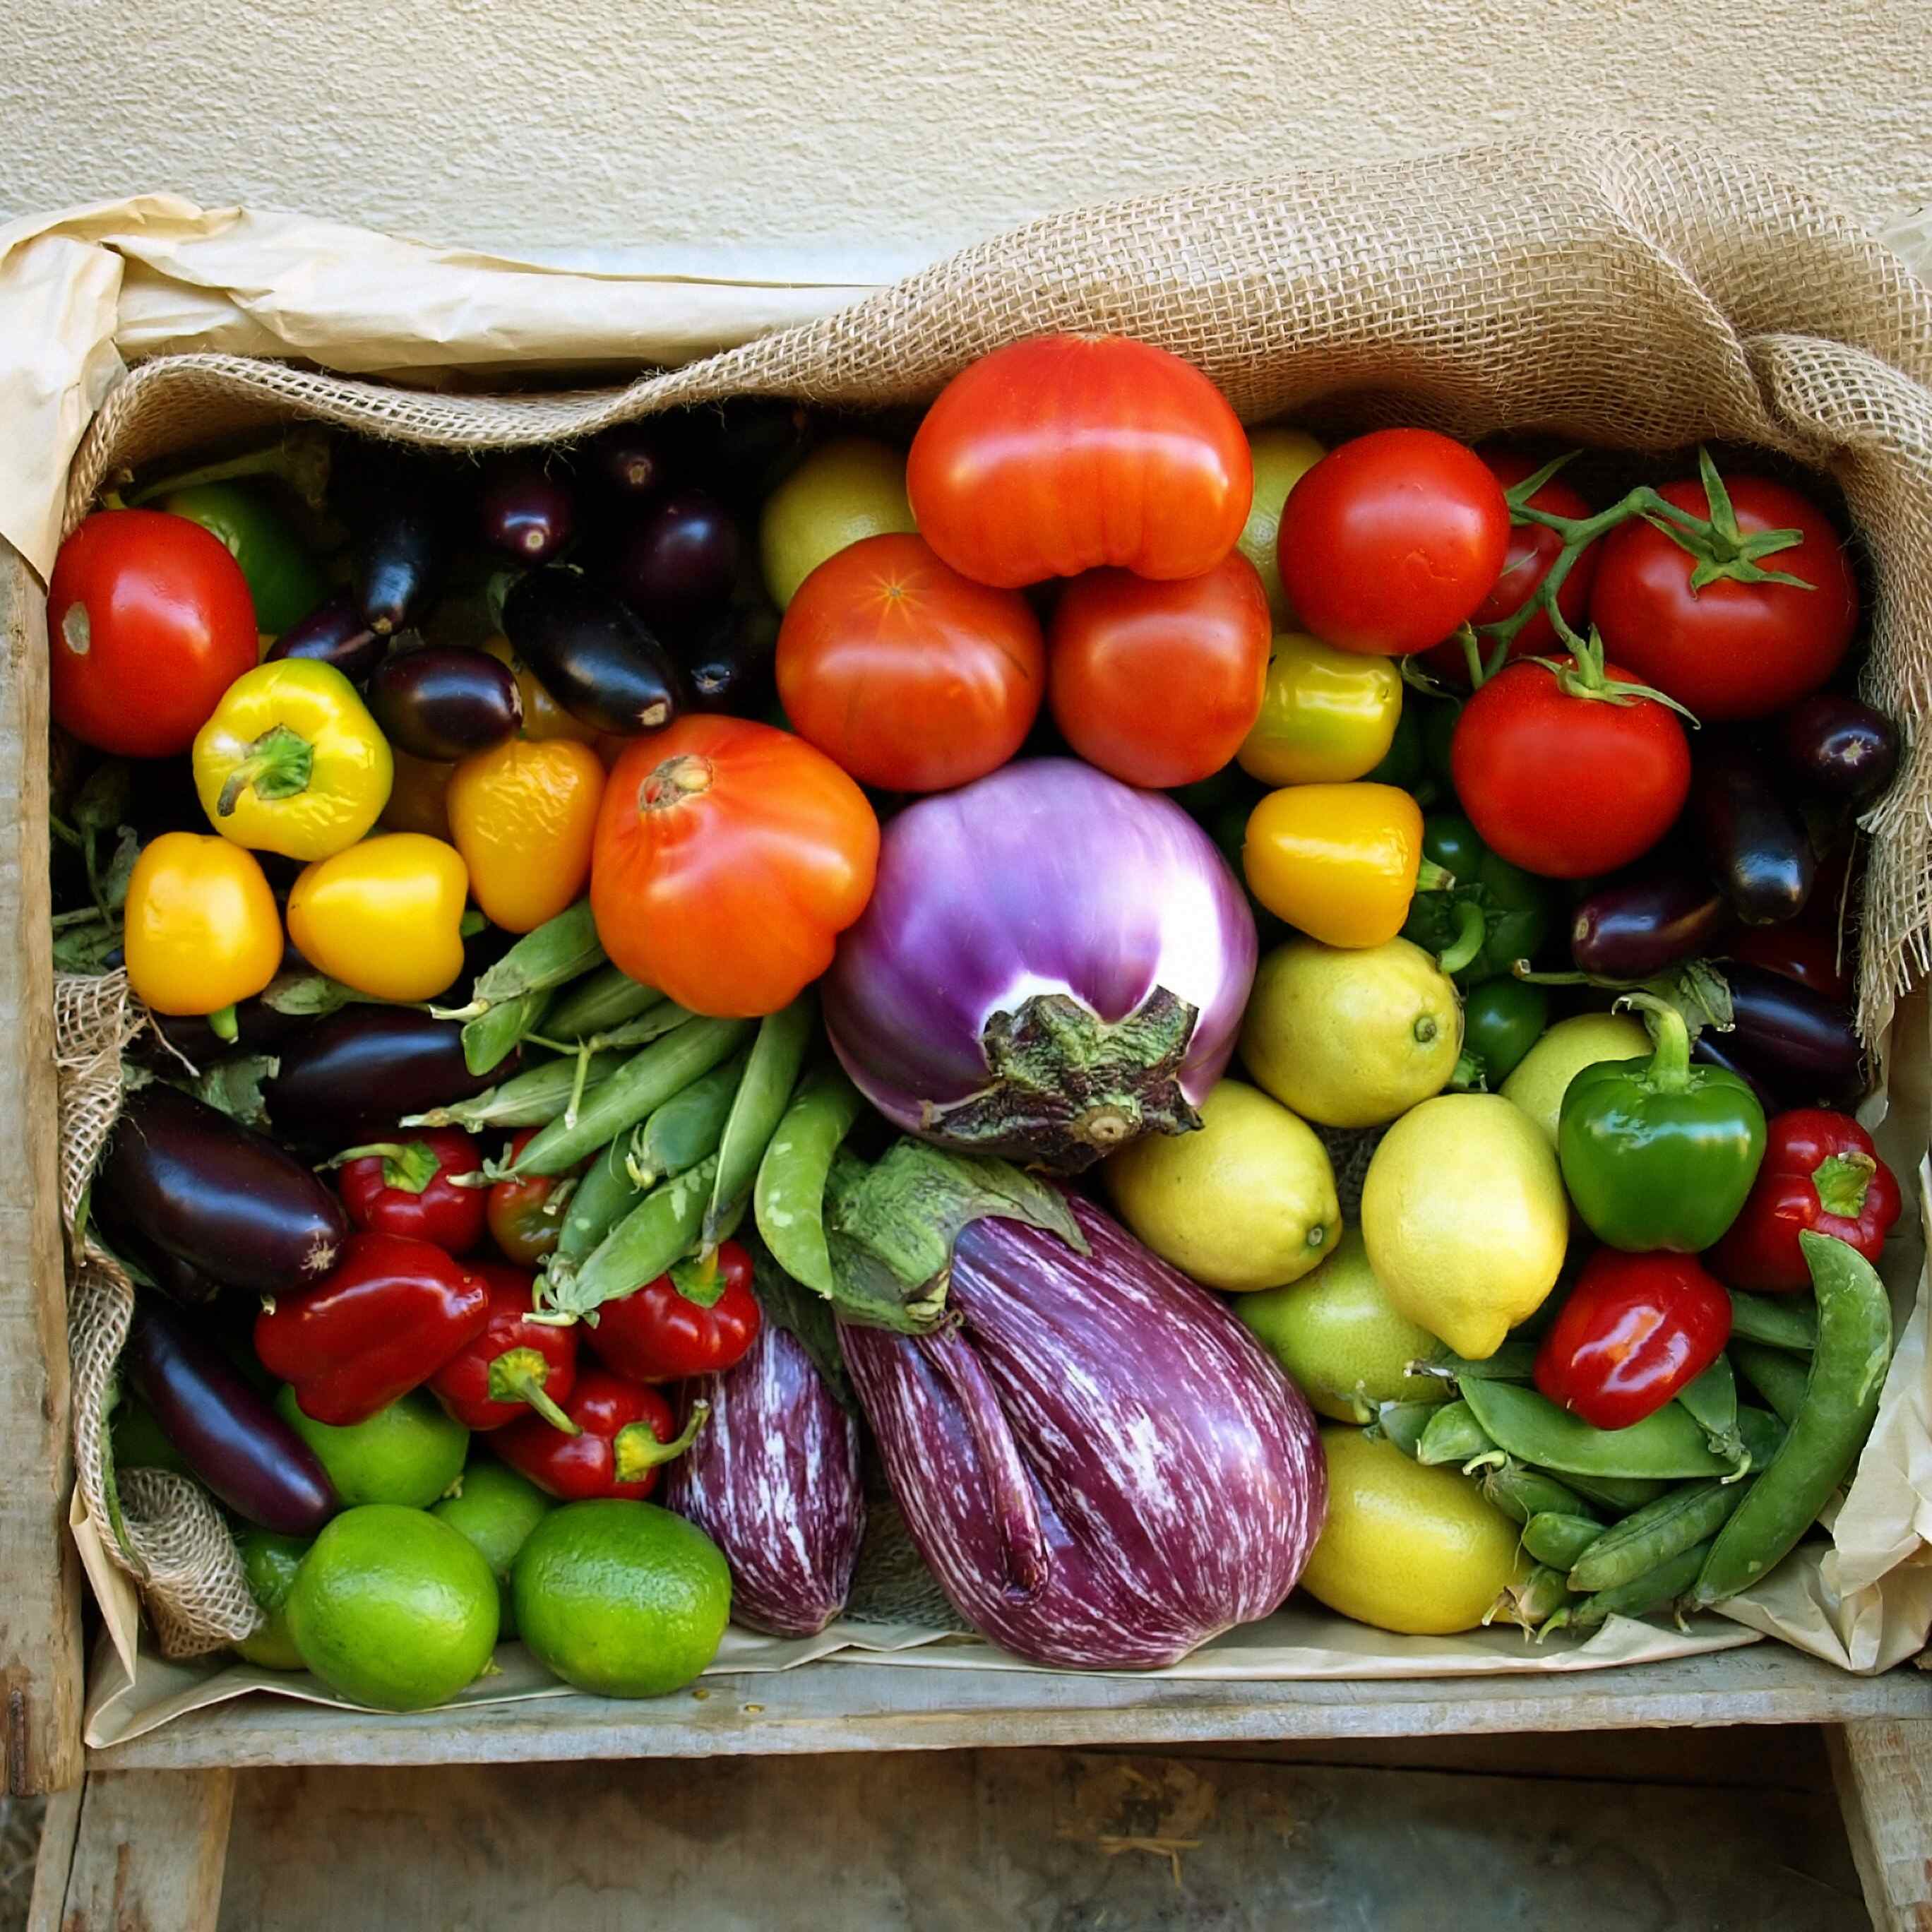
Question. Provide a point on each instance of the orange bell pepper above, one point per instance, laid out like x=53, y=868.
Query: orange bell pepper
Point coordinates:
x=524, y=814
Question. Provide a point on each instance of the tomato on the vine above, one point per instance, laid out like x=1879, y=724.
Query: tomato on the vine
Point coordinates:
x=1065, y=453
x=1723, y=647
x=1159, y=683
x=1392, y=540
x=149, y=620
x=515, y=1210
x=905, y=673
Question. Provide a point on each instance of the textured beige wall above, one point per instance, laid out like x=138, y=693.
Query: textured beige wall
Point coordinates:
x=898, y=128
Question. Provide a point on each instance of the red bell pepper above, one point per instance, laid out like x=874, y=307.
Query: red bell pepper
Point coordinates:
x=523, y=1222
x=1821, y=1171
x=515, y=1365
x=1636, y=1329
x=626, y=1433
x=695, y=1321
x=411, y=1188
x=389, y=1315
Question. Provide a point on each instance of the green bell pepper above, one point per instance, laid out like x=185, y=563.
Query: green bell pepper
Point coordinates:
x=286, y=581
x=1494, y=915
x=1656, y=1153
x=1502, y=1019
x=1404, y=764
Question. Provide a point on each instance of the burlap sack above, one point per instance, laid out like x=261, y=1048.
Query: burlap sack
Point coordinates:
x=1635, y=296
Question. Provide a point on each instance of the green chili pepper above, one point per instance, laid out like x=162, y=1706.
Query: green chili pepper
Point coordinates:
x=1494, y=915
x=1691, y=1513
x=1778, y=1376
x=1559, y=1540
x=1521, y=1492
x=286, y=581
x=1652, y=1591
x=1656, y=1153
x=1454, y=1435
x=1667, y=1443
x=1779, y=1322
x=789, y=1195
x=770, y=1074
x=1502, y=1019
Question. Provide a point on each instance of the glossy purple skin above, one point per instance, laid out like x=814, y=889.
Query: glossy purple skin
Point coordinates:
x=1100, y=1463
x=679, y=559
x=1641, y=921
x=527, y=514
x=333, y=633
x=773, y=1481
x=1046, y=876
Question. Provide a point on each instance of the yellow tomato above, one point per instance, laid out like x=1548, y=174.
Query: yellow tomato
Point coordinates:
x=1338, y=861
x=385, y=917
x=524, y=814
x=202, y=927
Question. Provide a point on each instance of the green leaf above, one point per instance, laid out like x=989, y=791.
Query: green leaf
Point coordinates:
x=235, y=1087
x=311, y=995
x=1700, y=993
x=102, y=802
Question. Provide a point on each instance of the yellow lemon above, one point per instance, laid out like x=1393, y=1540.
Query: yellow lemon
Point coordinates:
x=1281, y=457
x=1537, y=1083
x=843, y=491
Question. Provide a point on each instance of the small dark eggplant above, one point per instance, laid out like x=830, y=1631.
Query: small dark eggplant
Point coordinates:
x=358, y=1071
x=259, y=1028
x=441, y=702
x=591, y=652
x=1756, y=844
x=527, y=513
x=1802, y=1046
x=1842, y=749
x=1713, y=1049
x=733, y=668
x=193, y=1183
x=1641, y=922
x=751, y=444
x=227, y=1432
x=400, y=559
x=333, y=633
x=182, y=1282
x=678, y=561
x=638, y=457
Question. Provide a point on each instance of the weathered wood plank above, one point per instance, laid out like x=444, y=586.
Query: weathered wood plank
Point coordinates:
x=150, y=1852
x=40, y=1576
x=1883, y=1769
x=60, y=1825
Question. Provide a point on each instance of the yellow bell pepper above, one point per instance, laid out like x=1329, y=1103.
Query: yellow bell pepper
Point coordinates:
x=543, y=716
x=1326, y=715
x=291, y=762
x=202, y=929
x=1340, y=861
x=524, y=814
x=385, y=917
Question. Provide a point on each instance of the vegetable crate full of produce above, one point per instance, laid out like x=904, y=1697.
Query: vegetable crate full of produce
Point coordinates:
x=1189, y=948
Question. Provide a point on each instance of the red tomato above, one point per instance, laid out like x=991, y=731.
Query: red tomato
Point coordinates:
x=1533, y=548
x=1636, y=1329
x=1159, y=683
x=1563, y=783
x=1062, y=453
x=906, y=674
x=1392, y=540
x=667, y=1330
x=149, y=620
x=1728, y=650
x=522, y=1231
x=730, y=856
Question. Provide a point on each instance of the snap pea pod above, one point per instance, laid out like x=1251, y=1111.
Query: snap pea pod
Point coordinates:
x=598, y=1002
x=688, y=1126
x=1515, y=1361
x=660, y=1230
x=1531, y=1599
x=1667, y=1443
x=771, y=1073
x=604, y=1195
x=1651, y=1592
x=1828, y=1431
x=1616, y=1495
x=548, y=956
x=1778, y=1322
x=488, y=1039
x=1454, y=1434
x=1763, y=1433
x=646, y=1080
x=1559, y=1540
x=788, y=1196
x=531, y=1099
x=1521, y=1492
x=1712, y=1401
x=1689, y=1514
x=1778, y=1376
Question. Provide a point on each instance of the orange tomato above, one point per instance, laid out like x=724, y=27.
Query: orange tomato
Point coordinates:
x=730, y=855
x=524, y=814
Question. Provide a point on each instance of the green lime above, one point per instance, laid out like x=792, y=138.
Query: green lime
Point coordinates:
x=622, y=1599
x=393, y=1609
x=409, y=1452
x=497, y=1509
x=844, y=490
x=270, y=1562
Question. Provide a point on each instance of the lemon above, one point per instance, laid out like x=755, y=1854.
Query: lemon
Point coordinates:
x=844, y=490
x=1465, y=1217
x=1405, y=1548
x=1246, y=1202
x=1340, y=1340
x=1352, y=1036
x=1281, y=457
x=1537, y=1084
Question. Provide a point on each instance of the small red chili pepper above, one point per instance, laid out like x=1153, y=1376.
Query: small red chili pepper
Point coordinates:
x=1821, y=1172
x=411, y=1188
x=515, y=1367
x=697, y=1320
x=626, y=1434
x=389, y=1315
x=523, y=1222
x=1636, y=1329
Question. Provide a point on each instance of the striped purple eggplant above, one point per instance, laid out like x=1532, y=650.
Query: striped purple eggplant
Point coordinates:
x=1101, y=1467
x=773, y=1481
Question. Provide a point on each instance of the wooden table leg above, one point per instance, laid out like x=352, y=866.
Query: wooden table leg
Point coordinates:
x=1883, y=1767
x=135, y=1849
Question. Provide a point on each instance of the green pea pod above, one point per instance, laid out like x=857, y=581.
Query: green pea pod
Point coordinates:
x=1652, y=1591
x=688, y=1126
x=1777, y=1321
x=1666, y=1444
x=1521, y=1492
x=488, y=1039
x=1559, y=1540
x=789, y=1194
x=552, y=954
x=1712, y=1401
x=1515, y=1361
x=1778, y=1376
x=604, y=1195
x=1830, y=1428
x=646, y=1080
x=531, y=1099
x=777, y=1055
x=1530, y=1600
x=1689, y=1514
x=1763, y=1433
x=662, y=1228
x=598, y=1002
x=1616, y=1495
x=1454, y=1434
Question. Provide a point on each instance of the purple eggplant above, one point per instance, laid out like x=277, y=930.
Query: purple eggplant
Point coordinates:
x=732, y=667
x=637, y=457
x=1714, y=1049
x=1843, y=750
x=773, y=1481
x=441, y=702
x=333, y=633
x=527, y=513
x=747, y=446
x=591, y=652
x=400, y=559
x=1756, y=844
x=1644, y=920
x=356, y=1073
x=677, y=563
x=1802, y=1046
x=226, y=1431
x=1099, y=1464
x=193, y=1183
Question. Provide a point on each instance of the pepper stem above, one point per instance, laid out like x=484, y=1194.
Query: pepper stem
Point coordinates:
x=408, y=1166
x=1670, y=1041
x=1842, y=1180
x=518, y=1374
x=1472, y=929
x=278, y=766
x=222, y=1024
x=1431, y=877
x=635, y=1450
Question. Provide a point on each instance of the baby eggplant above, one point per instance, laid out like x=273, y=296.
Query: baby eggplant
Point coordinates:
x=677, y=563
x=358, y=1071
x=333, y=633
x=1640, y=921
x=527, y=513
x=637, y=457
x=1803, y=1047
x=1840, y=749
x=399, y=561
x=731, y=668
x=1756, y=844
x=591, y=652
x=440, y=702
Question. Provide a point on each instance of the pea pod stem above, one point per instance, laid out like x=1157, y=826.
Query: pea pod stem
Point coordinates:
x=531, y=1099
x=662, y=1228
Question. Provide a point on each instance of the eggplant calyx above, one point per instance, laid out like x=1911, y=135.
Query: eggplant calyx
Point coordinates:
x=1068, y=1087
x=278, y=766
x=635, y=1450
